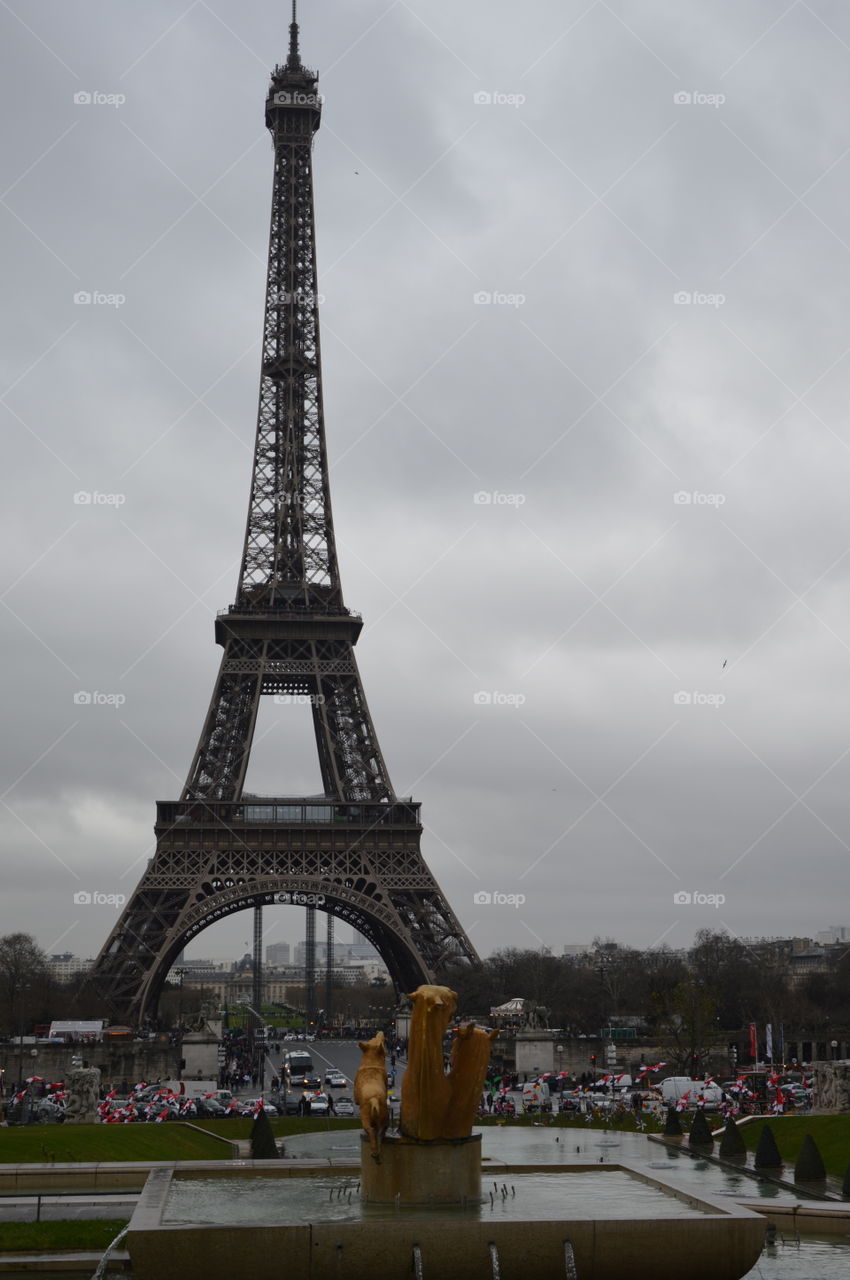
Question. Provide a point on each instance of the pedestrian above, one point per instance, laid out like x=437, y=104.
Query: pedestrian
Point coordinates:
x=331, y=1111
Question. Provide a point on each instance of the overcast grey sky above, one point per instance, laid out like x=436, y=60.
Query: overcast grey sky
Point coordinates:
x=656, y=200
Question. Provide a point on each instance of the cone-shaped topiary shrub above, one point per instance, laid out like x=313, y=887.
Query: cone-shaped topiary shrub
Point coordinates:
x=767, y=1152
x=845, y=1186
x=673, y=1125
x=700, y=1135
x=809, y=1166
x=263, y=1145
x=732, y=1144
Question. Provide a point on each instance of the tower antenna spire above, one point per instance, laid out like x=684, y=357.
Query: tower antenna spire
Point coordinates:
x=294, y=59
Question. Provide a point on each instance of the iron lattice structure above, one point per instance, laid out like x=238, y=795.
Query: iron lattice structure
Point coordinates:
x=353, y=852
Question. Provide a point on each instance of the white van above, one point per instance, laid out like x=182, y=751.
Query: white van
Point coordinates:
x=674, y=1088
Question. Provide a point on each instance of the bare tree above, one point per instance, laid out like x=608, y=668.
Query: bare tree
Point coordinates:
x=24, y=979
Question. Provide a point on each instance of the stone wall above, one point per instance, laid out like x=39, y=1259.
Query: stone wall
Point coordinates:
x=511, y=1052
x=132, y=1061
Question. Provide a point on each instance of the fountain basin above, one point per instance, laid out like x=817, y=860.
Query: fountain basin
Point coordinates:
x=618, y=1220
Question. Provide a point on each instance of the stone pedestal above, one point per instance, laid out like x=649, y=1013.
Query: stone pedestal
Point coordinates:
x=535, y=1052
x=83, y=1096
x=410, y=1172
x=200, y=1053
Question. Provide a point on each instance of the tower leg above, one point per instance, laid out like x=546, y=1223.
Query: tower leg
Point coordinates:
x=310, y=966
x=329, y=970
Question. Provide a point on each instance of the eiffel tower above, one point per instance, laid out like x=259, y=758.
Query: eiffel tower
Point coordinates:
x=353, y=851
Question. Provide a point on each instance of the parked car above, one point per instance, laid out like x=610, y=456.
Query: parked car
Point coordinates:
x=286, y=1103
x=210, y=1109
x=248, y=1106
x=335, y=1079
x=319, y=1104
x=344, y=1106
x=674, y=1088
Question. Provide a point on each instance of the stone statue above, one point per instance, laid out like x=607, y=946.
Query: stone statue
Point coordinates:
x=83, y=1087
x=370, y=1091
x=426, y=1090
x=470, y=1059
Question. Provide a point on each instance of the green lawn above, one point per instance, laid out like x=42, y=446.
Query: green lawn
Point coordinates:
x=92, y=1235
x=65, y=1143
x=831, y=1133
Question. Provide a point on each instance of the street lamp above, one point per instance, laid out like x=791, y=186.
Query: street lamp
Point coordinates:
x=256, y=1042
x=21, y=987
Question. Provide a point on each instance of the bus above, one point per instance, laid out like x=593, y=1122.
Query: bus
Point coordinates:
x=298, y=1067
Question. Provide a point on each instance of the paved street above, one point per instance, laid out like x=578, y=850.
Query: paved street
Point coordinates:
x=344, y=1055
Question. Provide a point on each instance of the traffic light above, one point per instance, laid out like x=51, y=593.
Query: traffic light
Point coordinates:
x=593, y=1059
x=733, y=1054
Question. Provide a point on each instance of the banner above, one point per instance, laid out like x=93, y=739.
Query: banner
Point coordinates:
x=768, y=1041
x=754, y=1049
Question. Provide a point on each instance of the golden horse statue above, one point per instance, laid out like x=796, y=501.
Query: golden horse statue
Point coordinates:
x=469, y=1062
x=434, y=1105
x=370, y=1091
x=426, y=1091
